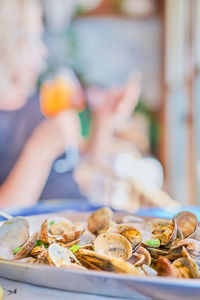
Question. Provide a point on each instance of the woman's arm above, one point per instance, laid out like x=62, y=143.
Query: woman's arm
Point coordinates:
x=111, y=109
x=28, y=177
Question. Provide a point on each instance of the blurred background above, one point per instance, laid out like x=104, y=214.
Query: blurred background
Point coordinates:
x=156, y=152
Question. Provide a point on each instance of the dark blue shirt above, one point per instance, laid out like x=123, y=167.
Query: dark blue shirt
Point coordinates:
x=15, y=129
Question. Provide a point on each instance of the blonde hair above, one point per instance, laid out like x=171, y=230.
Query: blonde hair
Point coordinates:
x=17, y=22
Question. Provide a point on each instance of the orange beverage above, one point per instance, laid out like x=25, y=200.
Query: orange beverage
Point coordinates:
x=60, y=94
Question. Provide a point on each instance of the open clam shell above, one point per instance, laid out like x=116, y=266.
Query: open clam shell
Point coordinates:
x=27, y=247
x=13, y=234
x=187, y=223
x=189, y=263
x=96, y=261
x=86, y=238
x=44, y=234
x=73, y=234
x=155, y=252
x=164, y=230
x=136, y=259
x=131, y=233
x=113, y=245
x=58, y=225
x=183, y=267
x=146, y=254
x=58, y=256
x=63, y=230
x=192, y=246
x=40, y=253
x=100, y=220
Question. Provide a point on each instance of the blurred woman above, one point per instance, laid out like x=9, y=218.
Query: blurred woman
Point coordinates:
x=28, y=143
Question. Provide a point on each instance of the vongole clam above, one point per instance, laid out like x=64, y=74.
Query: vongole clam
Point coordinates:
x=141, y=248
x=13, y=234
x=113, y=245
x=100, y=220
x=140, y=257
x=96, y=261
x=165, y=231
x=59, y=225
x=191, y=245
x=59, y=229
x=187, y=223
x=183, y=267
x=128, y=231
x=59, y=256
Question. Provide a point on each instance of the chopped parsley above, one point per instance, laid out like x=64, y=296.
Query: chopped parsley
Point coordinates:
x=16, y=250
x=153, y=243
x=74, y=248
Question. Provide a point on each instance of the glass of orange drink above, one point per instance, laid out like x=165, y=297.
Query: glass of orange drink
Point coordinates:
x=58, y=93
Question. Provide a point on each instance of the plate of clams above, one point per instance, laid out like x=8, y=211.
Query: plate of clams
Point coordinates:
x=105, y=253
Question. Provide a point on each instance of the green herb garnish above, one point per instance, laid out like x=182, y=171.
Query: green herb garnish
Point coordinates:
x=16, y=250
x=74, y=248
x=153, y=243
x=51, y=223
x=40, y=242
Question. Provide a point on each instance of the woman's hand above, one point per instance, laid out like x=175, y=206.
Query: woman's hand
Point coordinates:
x=57, y=134
x=111, y=108
x=114, y=105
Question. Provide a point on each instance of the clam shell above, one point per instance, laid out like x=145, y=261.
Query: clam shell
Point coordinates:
x=100, y=220
x=48, y=233
x=96, y=261
x=171, y=235
x=192, y=247
x=131, y=233
x=187, y=223
x=28, y=259
x=147, y=256
x=86, y=238
x=148, y=271
x=6, y=253
x=185, y=266
x=44, y=233
x=37, y=250
x=58, y=256
x=27, y=247
x=136, y=259
x=155, y=252
x=73, y=234
x=13, y=234
x=59, y=226
x=68, y=245
x=113, y=245
x=190, y=264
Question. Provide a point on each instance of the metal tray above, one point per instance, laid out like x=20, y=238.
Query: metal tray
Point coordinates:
x=99, y=283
